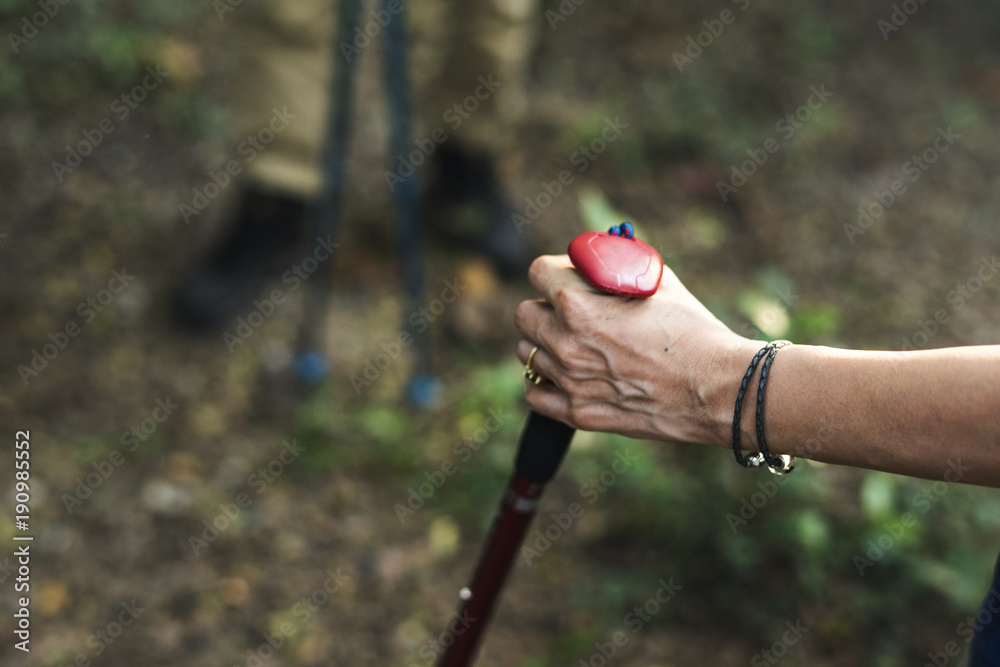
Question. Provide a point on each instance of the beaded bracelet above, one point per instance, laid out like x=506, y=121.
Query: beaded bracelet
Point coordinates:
x=779, y=465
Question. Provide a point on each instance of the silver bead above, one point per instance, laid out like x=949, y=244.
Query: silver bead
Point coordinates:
x=787, y=465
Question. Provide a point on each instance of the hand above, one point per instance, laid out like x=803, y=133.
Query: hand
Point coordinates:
x=662, y=368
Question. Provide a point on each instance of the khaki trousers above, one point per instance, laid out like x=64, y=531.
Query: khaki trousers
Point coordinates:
x=285, y=60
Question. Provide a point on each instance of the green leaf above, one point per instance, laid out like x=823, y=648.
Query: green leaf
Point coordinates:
x=767, y=313
x=877, y=495
x=812, y=530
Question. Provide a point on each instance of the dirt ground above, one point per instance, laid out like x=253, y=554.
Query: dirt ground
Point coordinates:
x=246, y=509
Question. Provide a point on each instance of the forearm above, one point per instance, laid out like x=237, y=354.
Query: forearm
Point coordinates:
x=910, y=413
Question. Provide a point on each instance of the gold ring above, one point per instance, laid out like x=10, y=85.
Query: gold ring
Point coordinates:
x=531, y=374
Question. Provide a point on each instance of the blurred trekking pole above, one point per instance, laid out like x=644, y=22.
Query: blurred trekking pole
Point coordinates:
x=311, y=363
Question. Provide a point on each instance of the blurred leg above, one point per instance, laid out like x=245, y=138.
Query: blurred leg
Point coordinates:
x=285, y=64
x=492, y=41
x=483, y=100
x=280, y=100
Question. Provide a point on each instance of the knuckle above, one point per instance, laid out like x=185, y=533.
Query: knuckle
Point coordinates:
x=536, y=268
x=558, y=348
x=580, y=417
x=568, y=351
x=565, y=383
x=572, y=305
x=564, y=300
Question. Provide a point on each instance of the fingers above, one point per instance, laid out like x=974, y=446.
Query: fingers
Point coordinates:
x=550, y=274
x=542, y=362
x=547, y=397
x=549, y=400
x=536, y=321
x=524, y=349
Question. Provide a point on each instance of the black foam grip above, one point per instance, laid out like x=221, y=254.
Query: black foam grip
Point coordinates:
x=543, y=444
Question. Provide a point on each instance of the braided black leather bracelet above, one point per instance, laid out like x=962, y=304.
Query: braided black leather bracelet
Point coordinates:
x=754, y=460
x=779, y=465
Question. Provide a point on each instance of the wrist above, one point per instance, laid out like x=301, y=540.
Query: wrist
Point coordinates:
x=776, y=424
x=717, y=385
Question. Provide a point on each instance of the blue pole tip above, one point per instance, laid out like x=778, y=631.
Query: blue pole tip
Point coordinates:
x=311, y=367
x=424, y=391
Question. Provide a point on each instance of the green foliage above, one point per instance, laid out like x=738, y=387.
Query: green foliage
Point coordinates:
x=377, y=435
x=815, y=324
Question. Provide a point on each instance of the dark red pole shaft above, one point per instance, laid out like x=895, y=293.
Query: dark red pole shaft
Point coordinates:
x=543, y=444
x=512, y=521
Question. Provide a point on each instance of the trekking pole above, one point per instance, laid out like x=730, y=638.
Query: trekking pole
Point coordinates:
x=311, y=364
x=543, y=444
x=422, y=389
x=614, y=262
